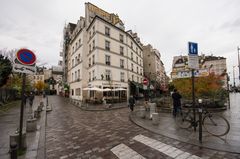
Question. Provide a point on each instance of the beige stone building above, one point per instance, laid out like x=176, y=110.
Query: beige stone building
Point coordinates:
x=154, y=68
x=207, y=64
x=99, y=53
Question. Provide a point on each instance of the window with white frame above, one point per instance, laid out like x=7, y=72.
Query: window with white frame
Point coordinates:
x=131, y=44
x=137, y=59
x=72, y=77
x=107, y=60
x=132, y=77
x=121, y=38
x=89, y=76
x=93, y=30
x=78, y=74
x=107, y=45
x=122, y=76
x=90, y=48
x=78, y=91
x=90, y=34
x=93, y=59
x=131, y=56
x=107, y=31
x=108, y=75
x=72, y=62
x=137, y=69
x=93, y=74
x=121, y=50
x=132, y=66
x=89, y=62
x=93, y=47
x=121, y=63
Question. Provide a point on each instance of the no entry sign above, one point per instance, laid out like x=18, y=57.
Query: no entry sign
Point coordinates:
x=26, y=57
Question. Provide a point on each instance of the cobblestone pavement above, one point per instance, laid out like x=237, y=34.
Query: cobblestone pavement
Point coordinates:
x=73, y=133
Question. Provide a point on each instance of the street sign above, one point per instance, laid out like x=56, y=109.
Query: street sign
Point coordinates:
x=23, y=68
x=26, y=57
x=193, y=62
x=145, y=81
x=144, y=87
x=25, y=62
x=192, y=48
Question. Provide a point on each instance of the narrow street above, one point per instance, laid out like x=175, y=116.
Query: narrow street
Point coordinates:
x=74, y=133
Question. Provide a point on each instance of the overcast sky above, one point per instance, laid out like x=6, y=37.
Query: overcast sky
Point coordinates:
x=167, y=25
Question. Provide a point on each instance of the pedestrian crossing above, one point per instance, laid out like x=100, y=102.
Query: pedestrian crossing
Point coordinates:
x=124, y=152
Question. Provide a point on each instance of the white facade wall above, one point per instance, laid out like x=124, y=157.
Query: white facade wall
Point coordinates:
x=93, y=47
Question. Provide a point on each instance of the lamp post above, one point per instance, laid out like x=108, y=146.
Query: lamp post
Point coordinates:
x=238, y=64
x=234, y=84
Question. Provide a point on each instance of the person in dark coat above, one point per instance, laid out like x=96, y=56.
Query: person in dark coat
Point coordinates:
x=31, y=98
x=176, y=102
x=131, y=102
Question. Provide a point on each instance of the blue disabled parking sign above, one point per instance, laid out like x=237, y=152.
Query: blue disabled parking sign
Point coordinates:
x=193, y=48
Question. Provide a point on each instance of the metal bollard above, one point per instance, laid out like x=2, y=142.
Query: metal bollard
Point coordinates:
x=13, y=150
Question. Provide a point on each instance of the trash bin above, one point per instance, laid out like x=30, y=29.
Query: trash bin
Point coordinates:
x=155, y=118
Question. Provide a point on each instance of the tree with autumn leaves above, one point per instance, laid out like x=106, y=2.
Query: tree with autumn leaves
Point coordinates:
x=205, y=87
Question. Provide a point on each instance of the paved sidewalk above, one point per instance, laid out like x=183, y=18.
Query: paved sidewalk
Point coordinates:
x=167, y=127
x=9, y=122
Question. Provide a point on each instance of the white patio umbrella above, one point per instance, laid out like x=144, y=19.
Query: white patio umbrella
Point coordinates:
x=106, y=89
x=95, y=89
x=87, y=89
x=120, y=89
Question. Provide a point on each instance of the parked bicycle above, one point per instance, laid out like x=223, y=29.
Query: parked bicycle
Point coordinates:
x=214, y=124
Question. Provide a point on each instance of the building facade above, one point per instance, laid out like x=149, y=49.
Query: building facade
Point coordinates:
x=207, y=65
x=154, y=68
x=99, y=53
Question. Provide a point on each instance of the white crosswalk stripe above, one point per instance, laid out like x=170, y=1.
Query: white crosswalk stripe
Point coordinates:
x=124, y=152
x=164, y=148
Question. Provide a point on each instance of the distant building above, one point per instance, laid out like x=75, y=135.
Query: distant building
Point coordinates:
x=99, y=53
x=52, y=77
x=207, y=65
x=153, y=67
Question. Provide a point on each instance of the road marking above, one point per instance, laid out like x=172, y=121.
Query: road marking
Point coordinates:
x=164, y=148
x=124, y=152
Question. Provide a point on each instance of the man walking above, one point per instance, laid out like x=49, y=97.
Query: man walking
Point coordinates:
x=176, y=102
x=131, y=102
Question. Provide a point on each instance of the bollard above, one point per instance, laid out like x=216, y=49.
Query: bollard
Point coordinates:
x=142, y=112
x=155, y=118
x=13, y=150
x=152, y=109
x=31, y=125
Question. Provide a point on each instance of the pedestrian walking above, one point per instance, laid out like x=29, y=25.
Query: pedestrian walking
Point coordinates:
x=131, y=102
x=176, y=102
x=31, y=98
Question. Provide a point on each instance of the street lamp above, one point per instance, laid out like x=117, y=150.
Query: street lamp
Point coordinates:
x=234, y=77
x=238, y=63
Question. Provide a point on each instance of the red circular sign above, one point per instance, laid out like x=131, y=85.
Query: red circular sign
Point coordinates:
x=145, y=81
x=26, y=57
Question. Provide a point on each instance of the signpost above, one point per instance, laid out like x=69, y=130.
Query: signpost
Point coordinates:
x=24, y=63
x=193, y=64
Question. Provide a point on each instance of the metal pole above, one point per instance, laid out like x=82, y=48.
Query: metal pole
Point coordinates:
x=21, y=113
x=200, y=120
x=238, y=64
x=193, y=100
x=234, y=85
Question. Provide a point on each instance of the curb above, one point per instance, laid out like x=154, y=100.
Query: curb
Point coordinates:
x=41, y=152
x=230, y=149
